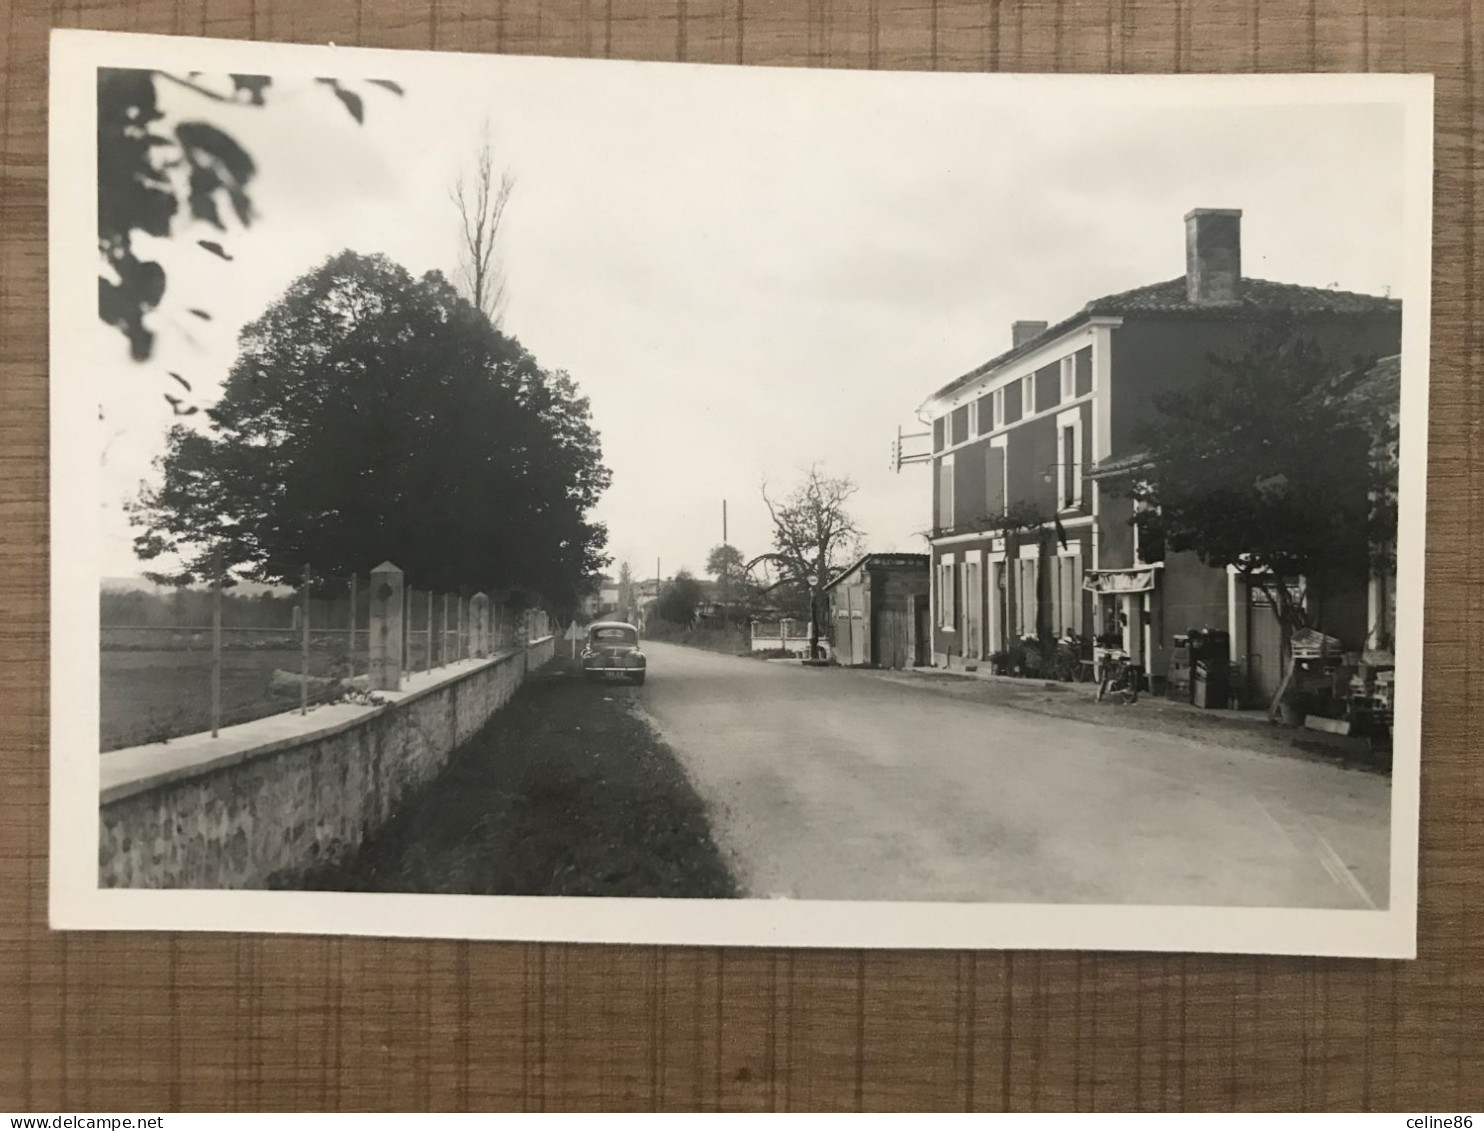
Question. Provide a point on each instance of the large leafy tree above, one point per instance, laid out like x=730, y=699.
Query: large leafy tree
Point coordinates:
x=371, y=415
x=1263, y=465
x=726, y=563
x=680, y=599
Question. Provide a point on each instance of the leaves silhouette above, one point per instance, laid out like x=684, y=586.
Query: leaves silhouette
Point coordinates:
x=141, y=191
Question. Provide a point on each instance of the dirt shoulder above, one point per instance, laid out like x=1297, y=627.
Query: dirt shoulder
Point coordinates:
x=566, y=792
x=1150, y=714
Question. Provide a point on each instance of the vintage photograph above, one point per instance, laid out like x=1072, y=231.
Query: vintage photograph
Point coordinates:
x=533, y=498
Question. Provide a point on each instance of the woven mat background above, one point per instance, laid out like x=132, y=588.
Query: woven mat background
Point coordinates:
x=96, y=1022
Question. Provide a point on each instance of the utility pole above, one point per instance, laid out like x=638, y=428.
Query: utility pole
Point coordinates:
x=725, y=579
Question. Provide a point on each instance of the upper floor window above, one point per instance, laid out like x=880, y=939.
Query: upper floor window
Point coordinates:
x=945, y=493
x=1028, y=393
x=1069, y=459
x=1068, y=378
x=1082, y=371
x=997, y=401
x=1012, y=402
x=939, y=433
x=958, y=425
x=973, y=418
x=996, y=491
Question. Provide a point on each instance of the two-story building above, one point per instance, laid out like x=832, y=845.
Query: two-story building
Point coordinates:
x=1019, y=435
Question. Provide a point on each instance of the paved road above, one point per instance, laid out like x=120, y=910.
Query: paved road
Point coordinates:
x=833, y=784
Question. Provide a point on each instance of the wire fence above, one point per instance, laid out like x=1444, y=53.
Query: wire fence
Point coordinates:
x=198, y=660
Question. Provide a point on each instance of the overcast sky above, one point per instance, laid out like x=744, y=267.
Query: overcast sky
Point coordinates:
x=749, y=271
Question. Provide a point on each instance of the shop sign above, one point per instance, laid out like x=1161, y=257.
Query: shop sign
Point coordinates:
x=1119, y=580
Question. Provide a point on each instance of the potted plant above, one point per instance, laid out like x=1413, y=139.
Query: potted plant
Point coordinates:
x=999, y=662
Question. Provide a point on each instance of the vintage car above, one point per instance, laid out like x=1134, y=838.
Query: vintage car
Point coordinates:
x=613, y=649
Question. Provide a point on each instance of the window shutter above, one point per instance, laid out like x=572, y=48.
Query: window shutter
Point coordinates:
x=1068, y=596
x=1027, y=597
x=994, y=461
x=1078, y=620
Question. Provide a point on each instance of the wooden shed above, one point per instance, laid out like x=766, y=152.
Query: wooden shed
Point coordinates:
x=879, y=612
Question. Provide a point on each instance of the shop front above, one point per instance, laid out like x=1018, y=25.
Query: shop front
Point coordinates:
x=1124, y=606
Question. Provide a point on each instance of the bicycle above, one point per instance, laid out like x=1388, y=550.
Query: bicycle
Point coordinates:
x=1070, y=667
x=1119, y=675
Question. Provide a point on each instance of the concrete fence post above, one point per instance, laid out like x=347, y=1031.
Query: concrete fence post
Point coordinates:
x=386, y=628
x=350, y=648
x=479, y=616
x=443, y=636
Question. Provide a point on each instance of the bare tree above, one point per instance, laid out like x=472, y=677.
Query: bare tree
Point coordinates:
x=481, y=201
x=813, y=537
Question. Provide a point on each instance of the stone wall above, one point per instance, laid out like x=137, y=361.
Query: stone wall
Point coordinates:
x=264, y=816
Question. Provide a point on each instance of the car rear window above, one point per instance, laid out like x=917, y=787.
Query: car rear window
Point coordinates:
x=613, y=634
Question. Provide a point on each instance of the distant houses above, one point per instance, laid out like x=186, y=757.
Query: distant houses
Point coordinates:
x=1035, y=432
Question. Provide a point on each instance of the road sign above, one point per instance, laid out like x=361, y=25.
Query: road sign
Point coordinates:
x=573, y=632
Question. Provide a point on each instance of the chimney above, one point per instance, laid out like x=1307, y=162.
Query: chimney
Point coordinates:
x=1022, y=332
x=1213, y=255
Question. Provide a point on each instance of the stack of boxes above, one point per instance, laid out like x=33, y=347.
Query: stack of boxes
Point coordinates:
x=1177, y=683
x=1200, y=668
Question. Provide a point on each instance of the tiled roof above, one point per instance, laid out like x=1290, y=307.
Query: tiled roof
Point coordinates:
x=1171, y=298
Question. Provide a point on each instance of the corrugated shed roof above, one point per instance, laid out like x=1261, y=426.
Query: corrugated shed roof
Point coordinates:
x=1171, y=299
x=1120, y=465
x=881, y=557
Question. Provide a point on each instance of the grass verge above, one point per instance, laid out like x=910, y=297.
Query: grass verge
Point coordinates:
x=566, y=792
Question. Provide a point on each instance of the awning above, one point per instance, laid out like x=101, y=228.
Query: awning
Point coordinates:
x=1139, y=580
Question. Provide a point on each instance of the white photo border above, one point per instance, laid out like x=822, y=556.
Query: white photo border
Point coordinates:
x=76, y=900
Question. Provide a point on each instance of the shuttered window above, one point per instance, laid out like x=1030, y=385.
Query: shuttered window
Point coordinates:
x=945, y=493
x=1084, y=371
x=994, y=478
x=947, y=595
x=1066, y=607
x=1027, y=571
x=958, y=430
x=1010, y=395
